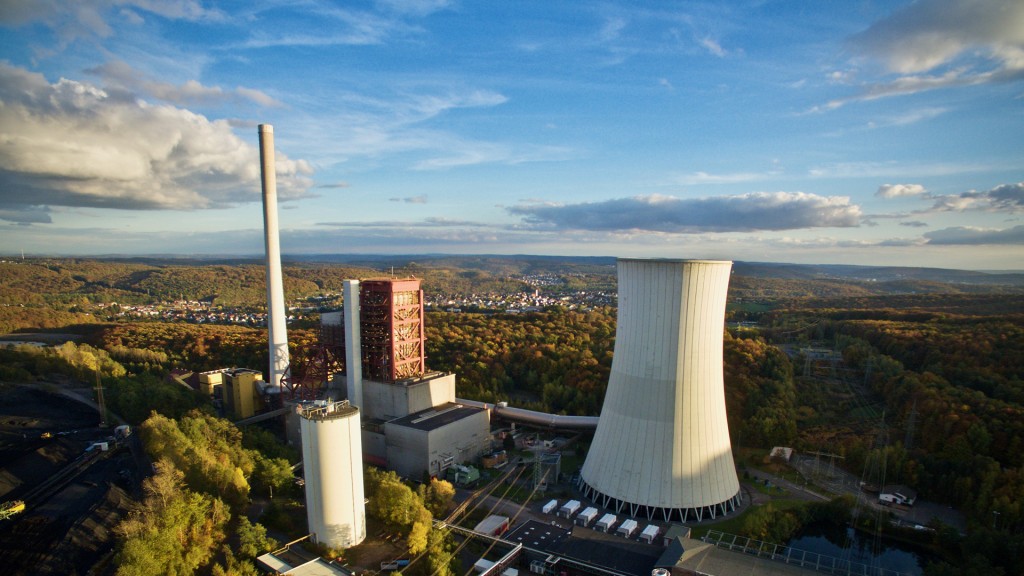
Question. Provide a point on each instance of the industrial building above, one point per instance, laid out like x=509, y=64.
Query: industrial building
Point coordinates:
x=412, y=422
x=662, y=447
x=241, y=390
x=428, y=442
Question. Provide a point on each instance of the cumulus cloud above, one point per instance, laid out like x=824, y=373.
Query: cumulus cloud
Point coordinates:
x=74, y=144
x=898, y=190
x=1008, y=198
x=926, y=34
x=739, y=213
x=119, y=75
x=967, y=235
x=933, y=44
x=914, y=224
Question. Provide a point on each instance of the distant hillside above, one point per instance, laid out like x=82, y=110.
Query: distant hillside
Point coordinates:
x=68, y=282
x=879, y=274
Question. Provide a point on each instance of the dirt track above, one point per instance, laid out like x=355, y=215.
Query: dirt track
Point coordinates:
x=66, y=530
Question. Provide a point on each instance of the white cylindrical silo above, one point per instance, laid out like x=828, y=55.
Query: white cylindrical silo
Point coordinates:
x=277, y=314
x=332, y=458
x=662, y=447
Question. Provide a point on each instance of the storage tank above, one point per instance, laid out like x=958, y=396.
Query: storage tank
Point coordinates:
x=662, y=447
x=332, y=457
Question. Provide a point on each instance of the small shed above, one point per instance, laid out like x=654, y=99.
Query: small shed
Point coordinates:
x=569, y=508
x=674, y=532
x=493, y=525
x=627, y=529
x=650, y=533
x=483, y=565
x=549, y=507
x=587, y=516
x=605, y=523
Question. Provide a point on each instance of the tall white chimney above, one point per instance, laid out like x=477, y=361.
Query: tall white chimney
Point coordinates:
x=277, y=314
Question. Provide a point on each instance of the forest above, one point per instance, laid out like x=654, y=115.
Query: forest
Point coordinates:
x=916, y=387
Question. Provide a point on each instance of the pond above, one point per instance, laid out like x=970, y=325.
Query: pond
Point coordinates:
x=885, y=557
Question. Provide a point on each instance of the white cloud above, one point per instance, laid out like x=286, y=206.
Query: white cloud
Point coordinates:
x=739, y=213
x=898, y=190
x=421, y=199
x=612, y=29
x=1007, y=198
x=698, y=178
x=414, y=7
x=932, y=44
x=929, y=33
x=338, y=26
x=117, y=74
x=87, y=19
x=966, y=235
x=712, y=46
x=74, y=144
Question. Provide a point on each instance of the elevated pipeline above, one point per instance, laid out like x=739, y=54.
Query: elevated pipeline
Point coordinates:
x=534, y=418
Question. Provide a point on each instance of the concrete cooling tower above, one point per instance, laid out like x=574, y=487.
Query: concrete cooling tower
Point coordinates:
x=332, y=457
x=661, y=448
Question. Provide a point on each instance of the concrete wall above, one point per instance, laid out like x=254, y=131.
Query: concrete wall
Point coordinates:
x=411, y=451
x=387, y=401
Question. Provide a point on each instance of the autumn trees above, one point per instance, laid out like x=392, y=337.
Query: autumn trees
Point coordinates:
x=412, y=512
x=194, y=503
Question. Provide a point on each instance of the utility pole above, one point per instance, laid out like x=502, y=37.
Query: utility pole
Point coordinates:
x=908, y=440
x=99, y=400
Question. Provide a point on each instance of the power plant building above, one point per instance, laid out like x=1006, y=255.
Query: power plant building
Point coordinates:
x=430, y=441
x=240, y=389
x=333, y=464
x=412, y=422
x=662, y=447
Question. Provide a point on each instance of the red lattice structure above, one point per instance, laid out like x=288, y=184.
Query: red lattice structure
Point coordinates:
x=310, y=368
x=391, y=321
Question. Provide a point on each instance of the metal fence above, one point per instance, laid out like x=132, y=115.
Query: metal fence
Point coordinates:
x=802, y=558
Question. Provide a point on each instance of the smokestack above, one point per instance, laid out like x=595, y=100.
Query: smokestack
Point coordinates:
x=277, y=314
x=353, y=345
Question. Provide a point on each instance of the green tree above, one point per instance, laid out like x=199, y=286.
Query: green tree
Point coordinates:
x=441, y=557
x=274, y=475
x=175, y=531
x=253, y=539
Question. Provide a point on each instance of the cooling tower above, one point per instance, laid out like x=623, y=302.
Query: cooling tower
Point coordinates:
x=661, y=448
x=332, y=457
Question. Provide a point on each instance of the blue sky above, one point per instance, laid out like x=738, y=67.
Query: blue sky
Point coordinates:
x=882, y=133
